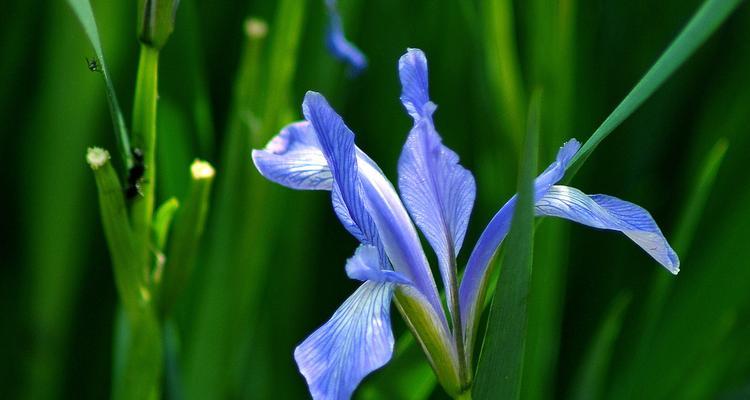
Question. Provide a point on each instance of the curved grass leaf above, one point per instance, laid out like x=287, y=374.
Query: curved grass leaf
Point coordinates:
x=82, y=9
x=590, y=379
x=501, y=360
x=705, y=21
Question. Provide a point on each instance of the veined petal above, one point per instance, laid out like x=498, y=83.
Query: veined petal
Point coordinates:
x=338, y=45
x=438, y=192
x=354, y=342
x=607, y=212
x=415, y=96
x=337, y=145
x=293, y=159
x=369, y=197
x=556, y=170
x=365, y=266
x=428, y=327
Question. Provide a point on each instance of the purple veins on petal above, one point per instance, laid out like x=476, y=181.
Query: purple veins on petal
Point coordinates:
x=354, y=342
x=438, y=192
x=339, y=46
x=607, y=212
x=369, y=198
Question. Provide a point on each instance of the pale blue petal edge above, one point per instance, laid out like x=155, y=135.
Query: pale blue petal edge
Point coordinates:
x=365, y=266
x=293, y=159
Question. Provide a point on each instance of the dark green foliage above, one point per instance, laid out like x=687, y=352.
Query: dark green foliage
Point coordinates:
x=270, y=269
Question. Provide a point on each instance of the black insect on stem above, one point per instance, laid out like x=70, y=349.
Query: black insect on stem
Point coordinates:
x=135, y=174
x=93, y=65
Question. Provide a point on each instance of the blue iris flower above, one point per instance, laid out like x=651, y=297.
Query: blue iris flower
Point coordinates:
x=338, y=45
x=437, y=194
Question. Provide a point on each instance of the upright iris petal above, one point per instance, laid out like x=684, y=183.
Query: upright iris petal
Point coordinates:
x=438, y=192
x=338, y=45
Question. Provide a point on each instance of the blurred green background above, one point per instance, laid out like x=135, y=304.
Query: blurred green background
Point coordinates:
x=605, y=320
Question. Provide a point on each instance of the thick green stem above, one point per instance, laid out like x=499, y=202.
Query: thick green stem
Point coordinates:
x=142, y=367
x=144, y=139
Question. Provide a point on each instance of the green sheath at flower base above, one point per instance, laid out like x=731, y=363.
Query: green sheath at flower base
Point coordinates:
x=185, y=238
x=439, y=351
x=156, y=21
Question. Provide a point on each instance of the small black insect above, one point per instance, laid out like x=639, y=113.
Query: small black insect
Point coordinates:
x=135, y=174
x=93, y=65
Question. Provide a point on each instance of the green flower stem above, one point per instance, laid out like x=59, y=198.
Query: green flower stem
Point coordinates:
x=130, y=284
x=185, y=237
x=144, y=138
x=141, y=373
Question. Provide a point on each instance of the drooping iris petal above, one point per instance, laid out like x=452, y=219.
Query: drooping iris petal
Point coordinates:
x=354, y=342
x=338, y=45
x=438, y=192
x=365, y=266
x=293, y=159
x=607, y=212
x=370, y=198
x=428, y=326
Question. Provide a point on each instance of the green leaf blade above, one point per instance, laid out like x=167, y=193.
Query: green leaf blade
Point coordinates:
x=705, y=21
x=84, y=13
x=501, y=361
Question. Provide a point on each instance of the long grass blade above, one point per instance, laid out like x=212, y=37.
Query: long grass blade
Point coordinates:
x=705, y=21
x=82, y=9
x=501, y=361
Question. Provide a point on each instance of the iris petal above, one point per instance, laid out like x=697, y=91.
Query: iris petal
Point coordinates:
x=369, y=197
x=607, y=212
x=337, y=145
x=293, y=159
x=338, y=45
x=354, y=342
x=415, y=96
x=438, y=192
x=365, y=266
